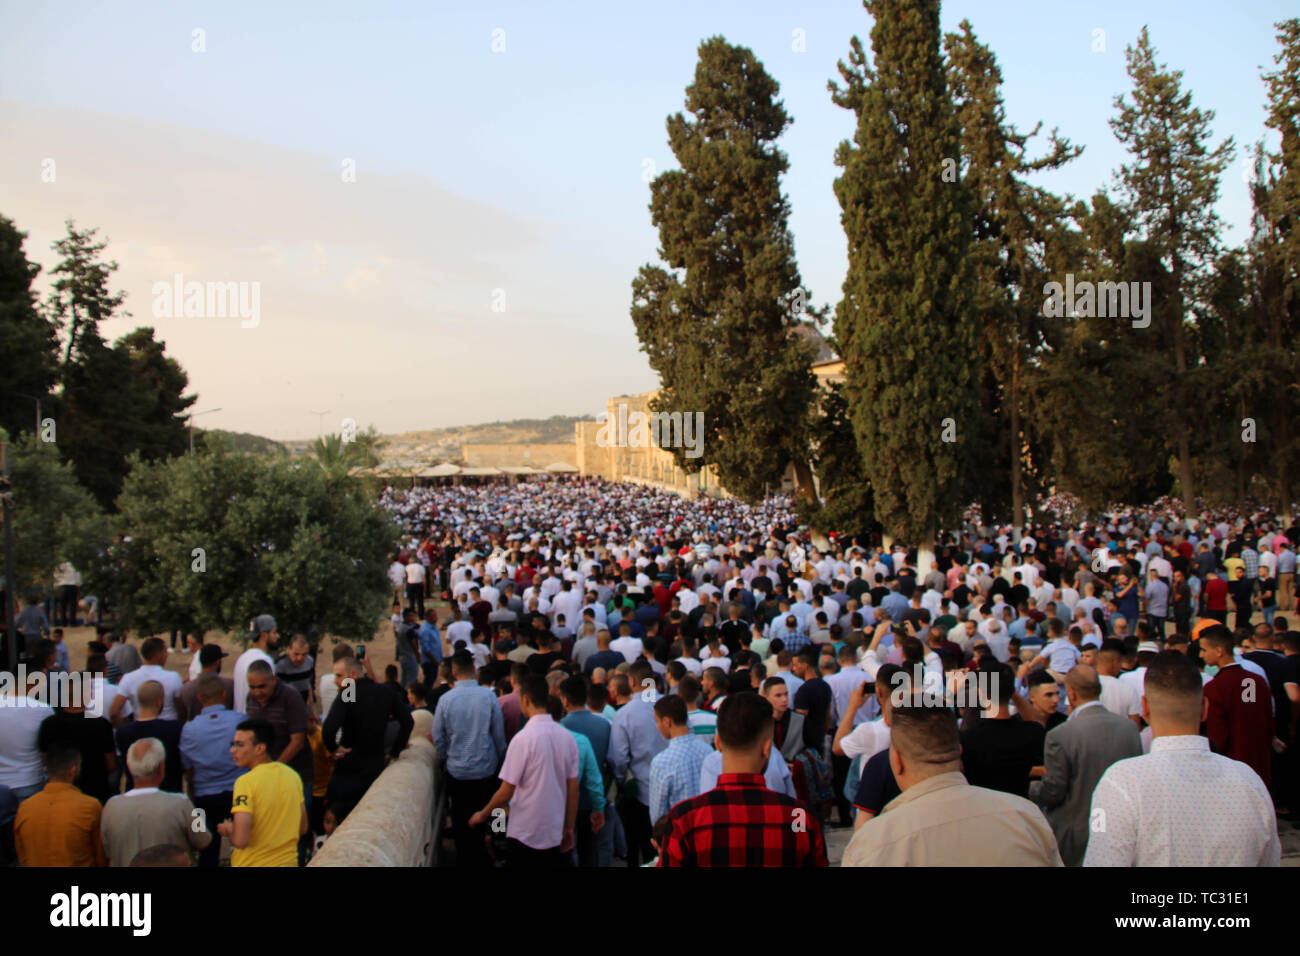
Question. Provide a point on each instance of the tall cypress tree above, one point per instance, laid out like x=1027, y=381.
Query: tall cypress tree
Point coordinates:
x=1170, y=189
x=1013, y=225
x=718, y=324
x=904, y=325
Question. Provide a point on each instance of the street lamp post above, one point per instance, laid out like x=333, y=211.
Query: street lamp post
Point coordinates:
x=320, y=422
x=193, y=415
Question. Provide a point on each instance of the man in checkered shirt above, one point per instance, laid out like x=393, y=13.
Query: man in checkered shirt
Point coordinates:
x=741, y=822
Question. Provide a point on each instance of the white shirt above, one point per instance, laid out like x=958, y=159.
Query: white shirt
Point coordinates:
x=629, y=647
x=21, y=764
x=866, y=739
x=326, y=690
x=196, y=667
x=1181, y=805
x=415, y=573
x=459, y=631
x=690, y=663
x=241, y=676
x=171, y=682
x=1119, y=697
x=1136, y=678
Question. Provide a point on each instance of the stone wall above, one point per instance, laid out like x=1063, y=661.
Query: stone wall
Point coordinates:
x=518, y=454
x=398, y=821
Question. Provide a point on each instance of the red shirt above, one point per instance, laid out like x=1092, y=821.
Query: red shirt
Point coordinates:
x=742, y=823
x=1216, y=594
x=1240, y=721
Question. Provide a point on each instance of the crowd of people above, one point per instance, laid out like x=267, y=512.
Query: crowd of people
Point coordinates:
x=612, y=674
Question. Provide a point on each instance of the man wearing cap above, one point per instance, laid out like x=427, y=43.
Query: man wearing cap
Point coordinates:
x=262, y=641
x=209, y=658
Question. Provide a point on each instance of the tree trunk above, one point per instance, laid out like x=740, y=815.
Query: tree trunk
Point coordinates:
x=803, y=482
x=1017, y=492
x=1185, y=477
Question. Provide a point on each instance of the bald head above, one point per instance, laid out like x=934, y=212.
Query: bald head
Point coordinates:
x=1083, y=684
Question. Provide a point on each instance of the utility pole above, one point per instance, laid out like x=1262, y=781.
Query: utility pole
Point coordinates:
x=192, y=417
x=320, y=422
x=11, y=635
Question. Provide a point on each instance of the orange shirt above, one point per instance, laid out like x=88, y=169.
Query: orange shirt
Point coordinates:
x=59, y=827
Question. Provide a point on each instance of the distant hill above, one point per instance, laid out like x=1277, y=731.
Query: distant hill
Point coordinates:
x=557, y=428
x=244, y=442
x=444, y=443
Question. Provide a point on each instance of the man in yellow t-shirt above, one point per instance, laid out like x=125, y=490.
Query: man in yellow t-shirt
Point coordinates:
x=267, y=813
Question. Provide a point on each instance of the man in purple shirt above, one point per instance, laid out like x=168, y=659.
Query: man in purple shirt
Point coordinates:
x=539, y=780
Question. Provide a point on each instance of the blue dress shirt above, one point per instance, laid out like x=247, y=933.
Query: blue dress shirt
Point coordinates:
x=634, y=742
x=205, y=749
x=469, y=730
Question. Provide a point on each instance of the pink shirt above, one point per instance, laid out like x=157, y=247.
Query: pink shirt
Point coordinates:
x=540, y=762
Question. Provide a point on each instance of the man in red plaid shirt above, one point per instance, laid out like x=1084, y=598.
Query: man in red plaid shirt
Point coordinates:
x=741, y=822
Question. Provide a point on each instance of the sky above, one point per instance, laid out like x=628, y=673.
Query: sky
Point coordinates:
x=439, y=208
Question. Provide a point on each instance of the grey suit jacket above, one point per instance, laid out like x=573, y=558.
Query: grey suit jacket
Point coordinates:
x=1076, y=754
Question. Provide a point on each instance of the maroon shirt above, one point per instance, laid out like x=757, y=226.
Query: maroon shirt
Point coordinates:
x=1240, y=721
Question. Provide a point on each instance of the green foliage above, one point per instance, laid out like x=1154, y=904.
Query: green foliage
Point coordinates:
x=242, y=442
x=1169, y=189
x=276, y=536
x=54, y=518
x=28, y=341
x=122, y=401
x=904, y=325
x=1015, y=227
x=847, y=503
x=718, y=324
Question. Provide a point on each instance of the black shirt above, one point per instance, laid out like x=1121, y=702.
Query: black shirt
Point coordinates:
x=1275, y=666
x=814, y=696
x=998, y=754
x=877, y=785
x=169, y=732
x=363, y=720
x=497, y=669
x=93, y=736
x=540, y=663
x=606, y=659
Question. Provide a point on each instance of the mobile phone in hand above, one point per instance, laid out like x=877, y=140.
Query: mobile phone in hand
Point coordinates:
x=361, y=652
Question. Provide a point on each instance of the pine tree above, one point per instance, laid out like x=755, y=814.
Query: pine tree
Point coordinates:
x=28, y=340
x=1276, y=245
x=1171, y=188
x=904, y=325
x=718, y=324
x=115, y=401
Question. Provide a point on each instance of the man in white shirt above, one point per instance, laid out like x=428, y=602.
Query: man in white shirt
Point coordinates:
x=627, y=645
x=1180, y=805
x=1117, y=696
x=458, y=629
x=1136, y=678
x=154, y=652
x=262, y=641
